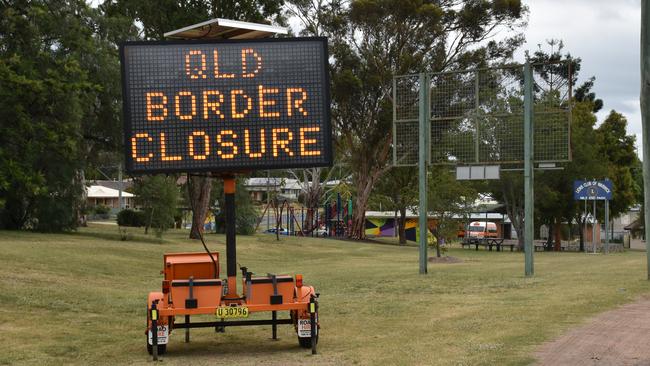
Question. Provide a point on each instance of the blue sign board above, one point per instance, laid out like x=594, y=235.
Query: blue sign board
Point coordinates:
x=592, y=189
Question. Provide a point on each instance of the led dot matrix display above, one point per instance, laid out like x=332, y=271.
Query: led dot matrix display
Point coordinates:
x=226, y=105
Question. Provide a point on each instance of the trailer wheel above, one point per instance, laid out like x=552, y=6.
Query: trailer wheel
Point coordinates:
x=162, y=348
x=306, y=342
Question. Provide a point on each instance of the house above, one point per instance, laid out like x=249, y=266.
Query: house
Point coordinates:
x=284, y=188
x=635, y=239
x=97, y=195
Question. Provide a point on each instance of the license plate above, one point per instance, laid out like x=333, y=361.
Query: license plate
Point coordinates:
x=232, y=312
x=304, y=328
x=163, y=335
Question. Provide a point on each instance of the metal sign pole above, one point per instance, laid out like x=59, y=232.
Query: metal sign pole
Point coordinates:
x=422, y=169
x=606, y=226
x=528, y=170
x=593, y=227
x=584, y=247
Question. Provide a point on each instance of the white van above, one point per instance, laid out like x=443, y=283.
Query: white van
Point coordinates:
x=481, y=229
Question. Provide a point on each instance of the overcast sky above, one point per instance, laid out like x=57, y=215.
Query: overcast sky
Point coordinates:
x=605, y=34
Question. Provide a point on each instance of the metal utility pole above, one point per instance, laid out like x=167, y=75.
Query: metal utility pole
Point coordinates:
x=645, y=118
x=423, y=145
x=528, y=170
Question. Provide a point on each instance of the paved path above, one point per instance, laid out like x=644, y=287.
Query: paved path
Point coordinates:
x=617, y=337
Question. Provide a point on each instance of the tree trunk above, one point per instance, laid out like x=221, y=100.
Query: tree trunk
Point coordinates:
x=438, y=237
x=551, y=234
x=148, y=225
x=199, y=188
x=402, y=226
x=358, y=227
x=558, y=236
x=308, y=224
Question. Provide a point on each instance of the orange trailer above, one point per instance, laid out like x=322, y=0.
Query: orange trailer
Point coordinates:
x=191, y=286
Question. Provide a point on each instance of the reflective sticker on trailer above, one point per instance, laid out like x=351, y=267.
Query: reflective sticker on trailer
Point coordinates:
x=163, y=335
x=304, y=328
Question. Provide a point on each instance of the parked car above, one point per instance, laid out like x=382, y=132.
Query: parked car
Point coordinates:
x=282, y=231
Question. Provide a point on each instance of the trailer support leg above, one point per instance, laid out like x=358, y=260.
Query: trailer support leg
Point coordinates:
x=187, y=330
x=274, y=327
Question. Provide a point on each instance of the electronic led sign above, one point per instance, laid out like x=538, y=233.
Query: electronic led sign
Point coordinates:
x=226, y=105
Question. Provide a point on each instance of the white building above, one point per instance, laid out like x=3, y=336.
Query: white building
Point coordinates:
x=285, y=188
x=99, y=195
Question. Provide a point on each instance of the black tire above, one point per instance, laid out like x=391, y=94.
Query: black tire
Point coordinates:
x=306, y=342
x=162, y=348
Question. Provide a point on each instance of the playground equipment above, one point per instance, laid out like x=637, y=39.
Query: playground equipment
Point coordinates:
x=333, y=219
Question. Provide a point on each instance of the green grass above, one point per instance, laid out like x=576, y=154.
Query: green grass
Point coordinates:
x=80, y=299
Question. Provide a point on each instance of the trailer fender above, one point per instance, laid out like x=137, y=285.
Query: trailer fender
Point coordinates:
x=303, y=294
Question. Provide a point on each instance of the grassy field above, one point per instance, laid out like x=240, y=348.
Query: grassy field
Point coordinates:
x=80, y=299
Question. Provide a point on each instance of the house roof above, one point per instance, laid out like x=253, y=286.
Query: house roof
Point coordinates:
x=114, y=184
x=635, y=225
x=274, y=183
x=105, y=192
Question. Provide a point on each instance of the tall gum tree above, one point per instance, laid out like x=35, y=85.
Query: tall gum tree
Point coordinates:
x=373, y=40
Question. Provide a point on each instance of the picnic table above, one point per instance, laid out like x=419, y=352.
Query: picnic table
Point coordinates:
x=488, y=243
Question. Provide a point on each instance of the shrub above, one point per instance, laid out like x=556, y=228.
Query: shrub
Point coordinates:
x=101, y=210
x=158, y=195
x=131, y=218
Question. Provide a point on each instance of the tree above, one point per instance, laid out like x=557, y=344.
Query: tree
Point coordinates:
x=398, y=191
x=554, y=73
x=373, y=40
x=509, y=190
x=158, y=195
x=245, y=215
x=45, y=91
x=448, y=199
x=313, y=189
x=619, y=149
x=158, y=17
x=583, y=93
x=587, y=161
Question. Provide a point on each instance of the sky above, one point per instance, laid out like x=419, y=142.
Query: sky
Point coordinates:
x=605, y=34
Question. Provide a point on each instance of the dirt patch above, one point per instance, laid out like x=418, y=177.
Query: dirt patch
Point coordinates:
x=445, y=259
x=616, y=337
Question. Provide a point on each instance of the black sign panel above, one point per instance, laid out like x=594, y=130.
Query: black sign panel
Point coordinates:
x=226, y=105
